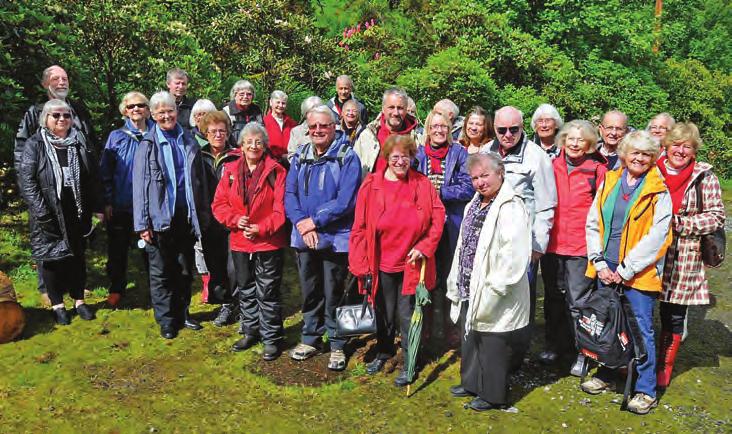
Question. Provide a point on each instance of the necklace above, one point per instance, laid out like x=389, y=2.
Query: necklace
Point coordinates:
x=629, y=191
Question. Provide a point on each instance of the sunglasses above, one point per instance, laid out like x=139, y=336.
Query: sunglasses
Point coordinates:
x=514, y=129
x=59, y=115
x=138, y=105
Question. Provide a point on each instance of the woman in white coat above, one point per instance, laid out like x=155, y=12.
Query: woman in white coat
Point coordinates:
x=488, y=285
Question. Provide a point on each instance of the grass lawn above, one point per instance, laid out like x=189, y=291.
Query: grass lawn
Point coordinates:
x=115, y=374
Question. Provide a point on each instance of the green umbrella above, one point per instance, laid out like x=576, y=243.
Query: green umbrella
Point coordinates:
x=421, y=298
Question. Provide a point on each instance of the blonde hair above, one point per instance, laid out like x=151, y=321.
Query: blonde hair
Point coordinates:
x=639, y=140
x=586, y=129
x=682, y=132
x=428, y=124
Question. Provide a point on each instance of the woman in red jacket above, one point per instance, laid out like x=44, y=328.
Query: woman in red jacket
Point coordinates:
x=278, y=125
x=398, y=224
x=578, y=172
x=249, y=201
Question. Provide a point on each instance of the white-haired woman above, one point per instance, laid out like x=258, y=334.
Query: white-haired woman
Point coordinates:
x=241, y=108
x=199, y=110
x=660, y=125
x=58, y=178
x=546, y=123
x=278, y=125
x=628, y=233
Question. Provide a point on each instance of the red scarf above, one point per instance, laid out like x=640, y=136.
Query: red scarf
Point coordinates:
x=436, y=155
x=676, y=183
x=383, y=132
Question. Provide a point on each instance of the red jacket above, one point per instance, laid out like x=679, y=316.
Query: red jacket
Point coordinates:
x=278, y=137
x=575, y=193
x=266, y=210
x=363, y=255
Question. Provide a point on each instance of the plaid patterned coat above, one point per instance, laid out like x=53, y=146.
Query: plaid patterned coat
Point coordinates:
x=684, y=281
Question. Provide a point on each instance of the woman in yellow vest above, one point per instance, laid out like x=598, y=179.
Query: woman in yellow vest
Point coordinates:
x=628, y=232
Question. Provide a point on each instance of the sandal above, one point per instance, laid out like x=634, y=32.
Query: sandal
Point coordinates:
x=303, y=352
x=337, y=360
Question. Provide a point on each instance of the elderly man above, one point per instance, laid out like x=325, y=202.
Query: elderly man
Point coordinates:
x=613, y=127
x=177, y=82
x=393, y=119
x=344, y=92
x=320, y=197
x=448, y=108
x=170, y=210
x=660, y=125
x=529, y=170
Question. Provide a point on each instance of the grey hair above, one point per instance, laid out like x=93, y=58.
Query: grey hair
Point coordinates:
x=411, y=103
x=277, y=95
x=51, y=105
x=587, y=131
x=639, y=140
x=162, y=98
x=46, y=75
x=669, y=118
x=508, y=108
x=201, y=106
x=492, y=159
x=401, y=93
x=128, y=96
x=345, y=77
x=176, y=73
x=308, y=104
x=451, y=106
x=252, y=129
x=323, y=110
x=242, y=85
x=547, y=110
x=615, y=112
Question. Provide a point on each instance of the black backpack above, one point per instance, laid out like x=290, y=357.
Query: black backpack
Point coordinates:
x=608, y=333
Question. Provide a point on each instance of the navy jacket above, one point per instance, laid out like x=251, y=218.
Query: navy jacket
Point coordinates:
x=324, y=189
x=151, y=178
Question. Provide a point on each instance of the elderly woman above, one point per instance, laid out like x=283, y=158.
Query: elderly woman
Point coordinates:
x=212, y=251
x=351, y=123
x=489, y=287
x=477, y=130
x=443, y=162
x=660, y=125
x=199, y=110
x=578, y=171
x=170, y=210
x=241, y=108
x=628, y=232
x=698, y=210
x=116, y=175
x=299, y=134
x=58, y=179
x=249, y=201
x=398, y=224
x=278, y=125
x=546, y=123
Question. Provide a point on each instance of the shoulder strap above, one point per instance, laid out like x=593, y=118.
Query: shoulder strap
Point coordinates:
x=699, y=195
x=304, y=152
x=342, y=152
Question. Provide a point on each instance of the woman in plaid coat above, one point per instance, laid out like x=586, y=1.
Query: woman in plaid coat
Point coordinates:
x=684, y=282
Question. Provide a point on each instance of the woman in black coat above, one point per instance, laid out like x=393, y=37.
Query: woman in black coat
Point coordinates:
x=58, y=179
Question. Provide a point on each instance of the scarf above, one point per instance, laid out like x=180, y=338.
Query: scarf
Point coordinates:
x=248, y=179
x=676, y=183
x=53, y=142
x=436, y=155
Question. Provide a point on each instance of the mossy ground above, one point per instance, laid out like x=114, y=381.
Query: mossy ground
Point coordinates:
x=115, y=374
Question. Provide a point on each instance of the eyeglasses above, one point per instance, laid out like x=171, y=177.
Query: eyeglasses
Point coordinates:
x=253, y=144
x=168, y=112
x=544, y=121
x=59, y=115
x=316, y=127
x=398, y=158
x=614, y=129
x=138, y=105
x=514, y=129
x=658, y=128
x=216, y=132
x=439, y=127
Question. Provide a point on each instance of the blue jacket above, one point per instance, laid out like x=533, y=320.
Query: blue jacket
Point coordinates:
x=325, y=190
x=455, y=192
x=115, y=166
x=153, y=183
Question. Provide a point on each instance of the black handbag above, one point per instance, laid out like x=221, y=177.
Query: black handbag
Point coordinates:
x=712, y=245
x=355, y=319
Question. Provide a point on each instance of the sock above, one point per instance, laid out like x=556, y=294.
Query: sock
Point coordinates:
x=58, y=306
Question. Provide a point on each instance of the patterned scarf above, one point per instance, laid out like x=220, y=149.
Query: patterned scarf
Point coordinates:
x=248, y=179
x=53, y=142
x=436, y=156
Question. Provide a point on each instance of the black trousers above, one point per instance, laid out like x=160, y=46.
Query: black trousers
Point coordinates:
x=533, y=276
x=171, y=266
x=120, y=234
x=672, y=317
x=65, y=275
x=219, y=261
x=322, y=278
x=259, y=278
x=565, y=285
x=391, y=308
x=438, y=311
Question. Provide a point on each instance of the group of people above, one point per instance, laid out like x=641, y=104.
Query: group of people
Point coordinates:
x=473, y=207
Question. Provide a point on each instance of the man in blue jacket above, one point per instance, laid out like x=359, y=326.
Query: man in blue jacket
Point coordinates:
x=320, y=198
x=171, y=209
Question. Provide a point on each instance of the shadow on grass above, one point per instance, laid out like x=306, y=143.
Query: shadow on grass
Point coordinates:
x=37, y=321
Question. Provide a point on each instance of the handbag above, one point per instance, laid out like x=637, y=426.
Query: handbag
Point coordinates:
x=355, y=319
x=712, y=245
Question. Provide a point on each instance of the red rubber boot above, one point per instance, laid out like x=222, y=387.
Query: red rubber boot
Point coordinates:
x=204, y=290
x=670, y=343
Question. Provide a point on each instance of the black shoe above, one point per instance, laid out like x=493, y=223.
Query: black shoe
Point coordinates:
x=168, y=332
x=62, y=316
x=85, y=312
x=271, y=352
x=242, y=330
x=548, y=357
x=479, y=404
x=226, y=315
x=402, y=379
x=192, y=324
x=375, y=366
x=459, y=391
x=245, y=343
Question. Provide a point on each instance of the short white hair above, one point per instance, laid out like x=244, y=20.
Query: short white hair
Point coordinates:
x=308, y=104
x=322, y=110
x=201, y=106
x=162, y=98
x=508, y=108
x=51, y=105
x=547, y=110
x=669, y=118
x=346, y=78
x=401, y=93
x=242, y=85
x=451, y=107
x=639, y=140
x=277, y=95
